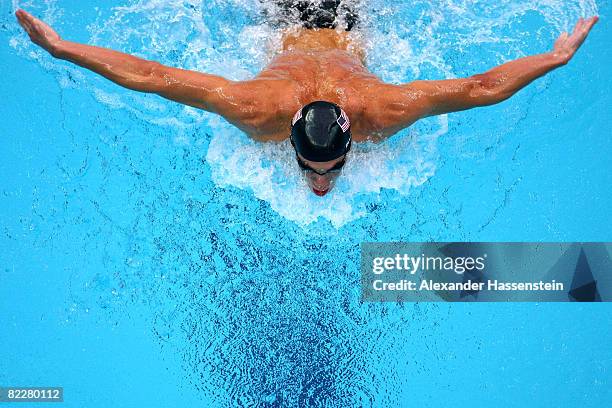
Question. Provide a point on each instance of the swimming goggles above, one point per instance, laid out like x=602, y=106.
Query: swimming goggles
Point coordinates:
x=336, y=169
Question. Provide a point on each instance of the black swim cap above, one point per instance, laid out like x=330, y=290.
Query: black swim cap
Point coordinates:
x=321, y=131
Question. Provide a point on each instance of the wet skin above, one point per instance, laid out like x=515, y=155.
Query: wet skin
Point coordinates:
x=320, y=64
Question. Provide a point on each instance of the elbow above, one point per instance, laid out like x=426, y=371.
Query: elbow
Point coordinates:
x=149, y=77
x=487, y=90
x=156, y=76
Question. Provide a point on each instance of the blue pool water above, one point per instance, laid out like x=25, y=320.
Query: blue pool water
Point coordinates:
x=151, y=255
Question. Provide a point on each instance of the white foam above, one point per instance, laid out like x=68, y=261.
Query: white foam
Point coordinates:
x=271, y=172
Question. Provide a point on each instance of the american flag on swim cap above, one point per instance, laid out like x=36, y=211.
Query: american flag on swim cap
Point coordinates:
x=343, y=121
x=296, y=117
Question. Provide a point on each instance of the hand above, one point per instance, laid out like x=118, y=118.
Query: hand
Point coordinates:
x=39, y=32
x=567, y=45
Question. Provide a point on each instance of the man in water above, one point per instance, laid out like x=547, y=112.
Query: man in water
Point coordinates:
x=317, y=91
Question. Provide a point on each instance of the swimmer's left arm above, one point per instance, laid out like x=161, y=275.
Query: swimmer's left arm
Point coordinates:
x=398, y=107
x=501, y=82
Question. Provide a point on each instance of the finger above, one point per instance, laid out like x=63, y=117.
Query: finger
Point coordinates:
x=581, y=25
x=578, y=24
x=578, y=38
x=24, y=13
x=36, y=24
x=20, y=16
x=30, y=22
x=27, y=17
x=592, y=21
x=20, y=21
x=586, y=23
x=578, y=30
x=561, y=39
x=25, y=24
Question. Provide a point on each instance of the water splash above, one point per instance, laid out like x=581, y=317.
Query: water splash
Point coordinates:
x=404, y=41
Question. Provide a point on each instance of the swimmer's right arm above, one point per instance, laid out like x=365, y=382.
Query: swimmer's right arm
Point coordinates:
x=236, y=101
x=131, y=72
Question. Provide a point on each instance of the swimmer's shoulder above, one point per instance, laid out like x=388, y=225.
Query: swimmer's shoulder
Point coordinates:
x=268, y=104
x=387, y=109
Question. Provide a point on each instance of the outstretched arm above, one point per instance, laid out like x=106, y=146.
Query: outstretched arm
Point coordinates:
x=236, y=101
x=410, y=102
x=503, y=81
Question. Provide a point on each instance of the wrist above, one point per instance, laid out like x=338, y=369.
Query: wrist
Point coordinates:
x=56, y=49
x=560, y=57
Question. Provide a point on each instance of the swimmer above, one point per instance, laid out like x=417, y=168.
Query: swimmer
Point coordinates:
x=317, y=91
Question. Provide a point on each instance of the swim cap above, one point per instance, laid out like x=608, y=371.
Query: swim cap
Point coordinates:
x=321, y=131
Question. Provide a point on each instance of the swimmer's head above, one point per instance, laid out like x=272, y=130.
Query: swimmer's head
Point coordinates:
x=321, y=136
